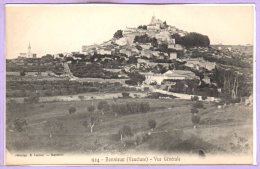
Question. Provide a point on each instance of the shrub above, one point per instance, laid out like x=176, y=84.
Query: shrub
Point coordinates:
x=72, y=110
x=125, y=95
x=22, y=73
x=32, y=99
x=194, y=98
x=91, y=109
x=152, y=124
x=198, y=105
x=54, y=127
x=103, y=106
x=20, y=124
x=118, y=34
x=81, y=97
x=204, y=97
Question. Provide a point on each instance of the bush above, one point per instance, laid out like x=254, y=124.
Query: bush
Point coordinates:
x=158, y=95
x=81, y=97
x=22, y=73
x=152, y=124
x=198, y=105
x=118, y=34
x=130, y=108
x=204, y=97
x=103, y=106
x=32, y=99
x=194, y=98
x=91, y=109
x=125, y=95
x=20, y=124
x=72, y=110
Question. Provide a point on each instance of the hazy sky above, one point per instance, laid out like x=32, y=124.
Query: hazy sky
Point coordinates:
x=65, y=28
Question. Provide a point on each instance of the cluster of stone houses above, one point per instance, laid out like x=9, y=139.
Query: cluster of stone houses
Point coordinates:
x=152, y=78
x=198, y=63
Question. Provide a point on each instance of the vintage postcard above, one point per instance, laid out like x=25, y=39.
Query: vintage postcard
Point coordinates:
x=129, y=84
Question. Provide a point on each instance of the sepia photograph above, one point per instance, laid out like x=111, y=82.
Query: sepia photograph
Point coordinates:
x=129, y=84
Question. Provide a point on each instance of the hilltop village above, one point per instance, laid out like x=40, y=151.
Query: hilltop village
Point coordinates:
x=153, y=88
x=155, y=56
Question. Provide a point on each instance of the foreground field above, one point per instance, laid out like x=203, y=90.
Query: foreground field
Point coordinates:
x=225, y=130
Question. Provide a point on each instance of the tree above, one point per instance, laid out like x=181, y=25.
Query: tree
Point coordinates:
x=91, y=122
x=22, y=73
x=20, y=124
x=72, y=110
x=126, y=95
x=135, y=78
x=195, y=39
x=194, y=110
x=142, y=27
x=125, y=131
x=118, y=34
x=198, y=105
x=54, y=127
x=177, y=37
x=154, y=42
x=152, y=124
x=204, y=97
x=91, y=109
x=103, y=106
x=195, y=120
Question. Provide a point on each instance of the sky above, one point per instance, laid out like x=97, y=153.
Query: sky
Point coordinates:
x=52, y=29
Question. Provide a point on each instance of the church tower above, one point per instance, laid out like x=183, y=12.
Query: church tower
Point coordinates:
x=29, y=53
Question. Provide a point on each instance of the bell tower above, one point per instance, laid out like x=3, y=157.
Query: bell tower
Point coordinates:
x=29, y=53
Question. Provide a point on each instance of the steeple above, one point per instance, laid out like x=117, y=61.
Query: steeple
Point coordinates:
x=29, y=54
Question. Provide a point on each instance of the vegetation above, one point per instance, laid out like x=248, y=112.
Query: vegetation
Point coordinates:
x=125, y=131
x=130, y=108
x=103, y=106
x=91, y=70
x=20, y=124
x=54, y=127
x=198, y=105
x=144, y=27
x=195, y=120
x=152, y=124
x=118, y=34
x=135, y=78
x=126, y=95
x=22, y=73
x=23, y=88
x=72, y=110
x=34, y=98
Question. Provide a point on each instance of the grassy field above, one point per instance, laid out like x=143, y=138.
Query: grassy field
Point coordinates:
x=225, y=130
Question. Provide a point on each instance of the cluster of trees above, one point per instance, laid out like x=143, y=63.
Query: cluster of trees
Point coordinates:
x=144, y=27
x=135, y=78
x=191, y=39
x=61, y=87
x=91, y=70
x=118, y=34
x=130, y=108
x=233, y=83
x=43, y=64
x=146, y=39
x=127, y=132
